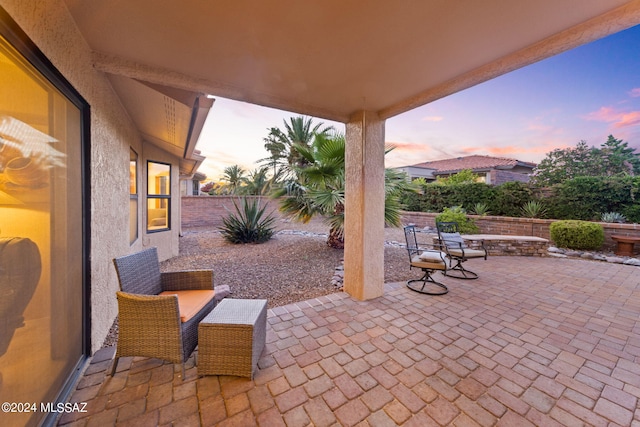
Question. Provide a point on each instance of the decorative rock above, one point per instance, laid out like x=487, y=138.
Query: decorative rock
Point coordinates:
x=573, y=253
x=615, y=260
x=558, y=255
x=553, y=249
x=587, y=255
x=632, y=261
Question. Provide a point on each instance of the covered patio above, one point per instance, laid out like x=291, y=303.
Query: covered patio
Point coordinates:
x=533, y=341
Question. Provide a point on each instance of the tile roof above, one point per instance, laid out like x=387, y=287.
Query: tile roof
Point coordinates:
x=473, y=162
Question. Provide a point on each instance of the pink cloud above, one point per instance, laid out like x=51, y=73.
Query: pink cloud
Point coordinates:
x=628, y=119
x=433, y=119
x=618, y=119
x=635, y=92
x=536, y=151
x=409, y=147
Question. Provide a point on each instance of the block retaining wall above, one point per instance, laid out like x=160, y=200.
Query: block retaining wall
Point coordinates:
x=523, y=226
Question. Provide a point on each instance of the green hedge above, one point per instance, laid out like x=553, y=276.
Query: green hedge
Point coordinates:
x=582, y=198
x=573, y=234
x=586, y=197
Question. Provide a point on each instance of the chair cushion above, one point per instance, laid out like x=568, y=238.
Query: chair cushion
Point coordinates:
x=468, y=253
x=190, y=302
x=452, y=240
x=431, y=264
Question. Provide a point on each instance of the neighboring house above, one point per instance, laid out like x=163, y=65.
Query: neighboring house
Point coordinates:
x=190, y=185
x=491, y=170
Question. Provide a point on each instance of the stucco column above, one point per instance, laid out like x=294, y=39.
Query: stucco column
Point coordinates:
x=364, y=207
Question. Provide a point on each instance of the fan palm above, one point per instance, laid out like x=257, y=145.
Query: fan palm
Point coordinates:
x=319, y=187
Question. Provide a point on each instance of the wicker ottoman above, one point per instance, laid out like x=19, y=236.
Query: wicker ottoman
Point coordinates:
x=231, y=338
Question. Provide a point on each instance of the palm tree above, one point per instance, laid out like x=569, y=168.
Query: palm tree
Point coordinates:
x=234, y=175
x=257, y=183
x=298, y=132
x=319, y=188
x=275, y=144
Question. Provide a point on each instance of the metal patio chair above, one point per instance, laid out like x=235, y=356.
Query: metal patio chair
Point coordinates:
x=429, y=261
x=457, y=251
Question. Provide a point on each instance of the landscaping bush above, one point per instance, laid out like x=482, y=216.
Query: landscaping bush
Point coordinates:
x=632, y=213
x=613, y=217
x=436, y=197
x=509, y=198
x=534, y=209
x=480, y=209
x=457, y=214
x=586, y=197
x=574, y=234
x=247, y=225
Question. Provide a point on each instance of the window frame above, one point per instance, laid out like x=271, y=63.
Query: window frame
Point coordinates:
x=166, y=197
x=133, y=196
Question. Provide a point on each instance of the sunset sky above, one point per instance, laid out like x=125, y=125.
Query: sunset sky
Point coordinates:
x=584, y=94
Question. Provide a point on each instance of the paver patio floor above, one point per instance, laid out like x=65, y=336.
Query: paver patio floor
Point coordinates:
x=533, y=341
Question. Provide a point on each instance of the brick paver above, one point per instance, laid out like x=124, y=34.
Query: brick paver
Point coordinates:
x=533, y=341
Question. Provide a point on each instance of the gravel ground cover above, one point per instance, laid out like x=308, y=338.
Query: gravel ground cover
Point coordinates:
x=295, y=265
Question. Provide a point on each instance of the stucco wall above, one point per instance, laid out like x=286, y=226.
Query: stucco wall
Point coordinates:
x=49, y=25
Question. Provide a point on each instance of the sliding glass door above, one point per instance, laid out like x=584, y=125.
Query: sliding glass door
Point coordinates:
x=42, y=248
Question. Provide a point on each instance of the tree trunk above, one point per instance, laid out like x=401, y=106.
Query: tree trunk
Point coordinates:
x=335, y=240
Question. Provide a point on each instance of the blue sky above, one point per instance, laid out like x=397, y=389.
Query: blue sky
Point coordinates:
x=583, y=94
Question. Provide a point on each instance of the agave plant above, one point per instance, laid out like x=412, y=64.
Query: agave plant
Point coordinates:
x=613, y=217
x=480, y=209
x=534, y=209
x=248, y=224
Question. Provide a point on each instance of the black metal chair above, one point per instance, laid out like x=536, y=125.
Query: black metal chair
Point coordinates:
x=429, y=261
x=457, y=251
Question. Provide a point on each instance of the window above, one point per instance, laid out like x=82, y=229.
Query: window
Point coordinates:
x=158, y=196
x=133, y=196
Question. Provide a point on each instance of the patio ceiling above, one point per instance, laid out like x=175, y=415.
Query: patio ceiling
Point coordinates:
x=331, y=58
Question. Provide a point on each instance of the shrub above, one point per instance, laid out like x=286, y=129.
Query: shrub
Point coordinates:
x=480, y=209
x=510, y=196
x=574, y=234
x=534, y=209
x=632, y=213
x=247, y=225
x=457, y=214
x=613, y=217
x=585, y=197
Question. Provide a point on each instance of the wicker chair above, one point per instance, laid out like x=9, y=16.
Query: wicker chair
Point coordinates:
x=457, y=251
x=429, y=261
x=150, y=324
